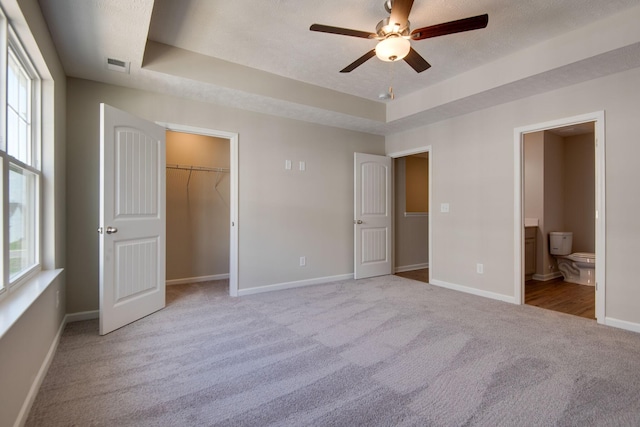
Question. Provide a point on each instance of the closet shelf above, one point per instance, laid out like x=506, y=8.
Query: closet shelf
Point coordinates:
x=197, y=168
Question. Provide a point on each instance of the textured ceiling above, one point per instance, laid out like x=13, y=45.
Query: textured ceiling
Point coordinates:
x=272, y=37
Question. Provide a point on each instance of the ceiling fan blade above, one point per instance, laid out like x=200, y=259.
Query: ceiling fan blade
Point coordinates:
x=416, y=61
x=341, y=31
x=358, y=62
x=467, y=24
x=400, y=10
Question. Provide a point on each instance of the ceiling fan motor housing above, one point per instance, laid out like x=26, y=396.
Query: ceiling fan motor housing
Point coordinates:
x=388, y=4
x=385, y=28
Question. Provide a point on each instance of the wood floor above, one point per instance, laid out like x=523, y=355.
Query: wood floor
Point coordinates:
x=421, y=275
x=557, y=295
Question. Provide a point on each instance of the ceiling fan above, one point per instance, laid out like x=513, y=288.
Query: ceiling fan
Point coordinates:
x=394, y=35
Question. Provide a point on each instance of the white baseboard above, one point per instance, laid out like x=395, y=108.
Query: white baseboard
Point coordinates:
x=404, y=268
x=197, y=279
x=37, y=381
x=622, y=324
x=83, y=315
x=291, y=285
x=474, y=291
x=545, y=277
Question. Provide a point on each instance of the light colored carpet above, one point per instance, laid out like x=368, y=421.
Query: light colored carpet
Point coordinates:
x=386, y=351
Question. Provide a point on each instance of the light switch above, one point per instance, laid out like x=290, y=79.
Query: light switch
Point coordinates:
x=444, y=207
x=303, y=166
x=287, y=164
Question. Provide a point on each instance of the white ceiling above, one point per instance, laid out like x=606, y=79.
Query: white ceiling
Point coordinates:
x=273, y=36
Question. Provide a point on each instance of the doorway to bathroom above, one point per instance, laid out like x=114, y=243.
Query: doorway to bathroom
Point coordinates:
x=560, y=188
x=412, y=243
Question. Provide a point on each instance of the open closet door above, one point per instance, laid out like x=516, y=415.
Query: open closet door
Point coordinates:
x=132, y=218
x=372, y=210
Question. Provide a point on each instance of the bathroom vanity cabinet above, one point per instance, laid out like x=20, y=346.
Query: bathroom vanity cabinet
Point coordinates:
x=530, y=251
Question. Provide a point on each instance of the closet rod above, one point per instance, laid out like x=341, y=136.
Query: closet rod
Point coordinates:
x=196, y=168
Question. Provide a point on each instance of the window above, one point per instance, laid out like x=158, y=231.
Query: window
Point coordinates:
x=21, y=175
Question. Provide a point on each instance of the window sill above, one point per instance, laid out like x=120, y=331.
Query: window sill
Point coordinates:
x=13, y=305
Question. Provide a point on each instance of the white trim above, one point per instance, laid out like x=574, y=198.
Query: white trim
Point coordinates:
x=197, y=279
x=599, y=118
x=546, y=277
x=296, y=284
x=234, y=226
x=410, y=152
x=601, y=222
x=622, y=324
x=473, y=291
x=17, y=300
x=82, y=315
x=21, y=419
x=413, y=267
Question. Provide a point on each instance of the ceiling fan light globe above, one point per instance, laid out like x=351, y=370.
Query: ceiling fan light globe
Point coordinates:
x=393, y=49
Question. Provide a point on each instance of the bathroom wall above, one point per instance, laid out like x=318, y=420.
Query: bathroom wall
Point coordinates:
x=411, y=232
x=533, y=150
x=554, y=190
x=580, y=197
x=197, y=214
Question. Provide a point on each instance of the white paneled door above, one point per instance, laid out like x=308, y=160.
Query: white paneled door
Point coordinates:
x=372, y=210
x=132, y=218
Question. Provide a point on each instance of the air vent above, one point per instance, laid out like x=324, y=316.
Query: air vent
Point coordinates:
x=118, y=65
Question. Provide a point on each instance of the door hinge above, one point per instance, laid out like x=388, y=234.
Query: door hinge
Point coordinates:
x=100, y=230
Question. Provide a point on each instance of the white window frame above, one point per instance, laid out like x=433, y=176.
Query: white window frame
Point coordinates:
x=10, y=41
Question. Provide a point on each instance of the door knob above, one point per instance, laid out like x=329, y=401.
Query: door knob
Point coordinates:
x=111, y=230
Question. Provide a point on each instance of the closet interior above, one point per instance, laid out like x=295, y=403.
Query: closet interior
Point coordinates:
x=198, y=195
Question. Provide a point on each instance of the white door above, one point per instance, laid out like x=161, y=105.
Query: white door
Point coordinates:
x=132, y=218
x=372, y=222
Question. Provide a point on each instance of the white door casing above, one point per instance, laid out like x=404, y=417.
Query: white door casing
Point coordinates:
x=373, y=219
x=132, y=218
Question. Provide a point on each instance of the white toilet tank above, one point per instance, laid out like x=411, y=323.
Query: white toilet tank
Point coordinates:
x=560, y=242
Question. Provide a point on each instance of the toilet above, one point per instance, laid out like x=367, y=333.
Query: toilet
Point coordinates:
x=579, y=267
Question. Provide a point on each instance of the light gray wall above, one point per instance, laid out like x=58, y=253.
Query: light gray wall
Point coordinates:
x=283, y=214
x=24, y=348
x=480, y=189
x=197, y=207
x=554, y=187
x=411, y=233
x=533, y=162
x=579, y=193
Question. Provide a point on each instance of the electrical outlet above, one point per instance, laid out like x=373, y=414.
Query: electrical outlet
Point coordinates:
x=303, y=261
x=480, y=268
x=444, y=207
